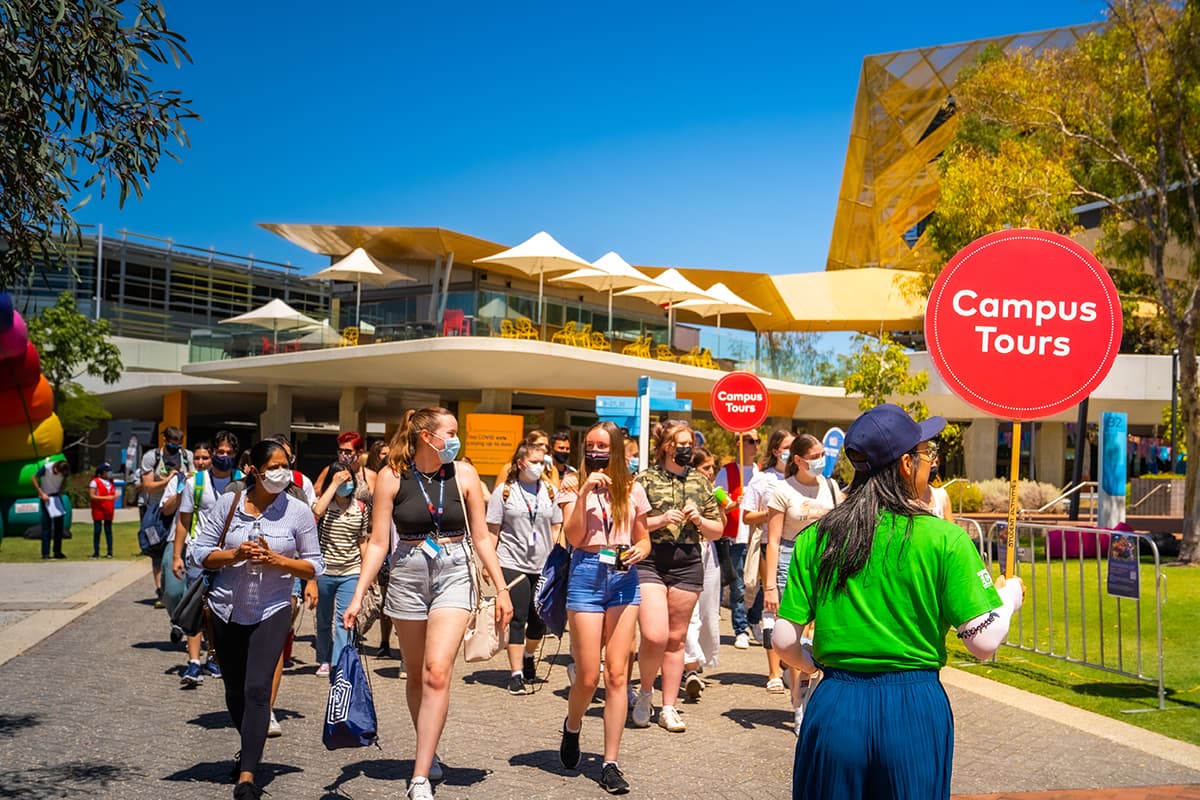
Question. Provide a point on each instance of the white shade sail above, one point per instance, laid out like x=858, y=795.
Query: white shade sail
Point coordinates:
x=538, y=255
x=722, y=301
x=276, y=316
x=607, y=273
x=360, y=267
x=670, y=287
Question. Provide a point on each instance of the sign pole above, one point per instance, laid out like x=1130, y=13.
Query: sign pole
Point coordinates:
x=1010, y=545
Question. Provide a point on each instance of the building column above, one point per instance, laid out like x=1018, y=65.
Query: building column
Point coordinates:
x=495, y=401
x=979, y=449
x=175, y=412
x=1051, y=455
x=352, y=409
x=277, y=417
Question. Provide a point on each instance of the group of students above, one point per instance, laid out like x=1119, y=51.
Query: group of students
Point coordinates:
x=862, y=585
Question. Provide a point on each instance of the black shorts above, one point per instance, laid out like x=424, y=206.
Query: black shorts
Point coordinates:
x=673, y=565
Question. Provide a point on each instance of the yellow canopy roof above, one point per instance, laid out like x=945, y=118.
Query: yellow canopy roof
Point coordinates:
x=844, y=300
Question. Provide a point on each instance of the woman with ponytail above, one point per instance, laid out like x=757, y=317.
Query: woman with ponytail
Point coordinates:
x=434, y=503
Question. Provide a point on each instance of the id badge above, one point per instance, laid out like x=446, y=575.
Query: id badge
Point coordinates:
x=608, y=556
x=430, y=547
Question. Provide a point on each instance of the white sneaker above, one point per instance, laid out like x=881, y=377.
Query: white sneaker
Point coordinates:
x=643, y=709
x=742, y=642
x=669, y=719
x=323, y=671
x=756, y=632
x=273, y=729
x=420, y=789
x=436, y=773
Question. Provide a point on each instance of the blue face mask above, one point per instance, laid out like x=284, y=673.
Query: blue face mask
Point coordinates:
x=346, y=489
x=223, y=463
x=449, y=451
x=634, y=464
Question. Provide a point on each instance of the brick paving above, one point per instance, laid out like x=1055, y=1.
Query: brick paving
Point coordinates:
x=95, y=710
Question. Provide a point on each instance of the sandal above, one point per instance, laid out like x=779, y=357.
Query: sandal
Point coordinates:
x=775, y=686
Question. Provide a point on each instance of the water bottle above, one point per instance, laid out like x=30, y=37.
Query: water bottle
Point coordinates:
x=253, y=568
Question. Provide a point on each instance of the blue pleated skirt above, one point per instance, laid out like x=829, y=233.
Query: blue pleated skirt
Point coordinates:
x=882, y=736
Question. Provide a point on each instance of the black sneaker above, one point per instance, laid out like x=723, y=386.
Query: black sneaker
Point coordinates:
x=236, y=769
x=529, y=668
x=247, y=791
x=568, y=751
x=611, y=779
x=516, y=685
x=60, y=555
x=384, y=652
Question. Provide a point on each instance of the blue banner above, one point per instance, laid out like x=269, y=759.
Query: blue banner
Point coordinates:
x=833, y=448
x=1113, y=454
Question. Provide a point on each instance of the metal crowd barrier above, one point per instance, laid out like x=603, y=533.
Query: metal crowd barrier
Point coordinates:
x=1067, y=613
x=975, y=530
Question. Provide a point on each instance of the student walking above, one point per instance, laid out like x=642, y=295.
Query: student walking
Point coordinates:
x=879, y=724
x=434, y=503
x=257, y=541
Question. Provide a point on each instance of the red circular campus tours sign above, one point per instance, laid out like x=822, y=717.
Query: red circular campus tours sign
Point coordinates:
x=739, y=402
x=1023, y=324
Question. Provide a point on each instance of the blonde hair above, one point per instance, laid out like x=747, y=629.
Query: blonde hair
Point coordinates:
x=403, y=447
x=670, y=430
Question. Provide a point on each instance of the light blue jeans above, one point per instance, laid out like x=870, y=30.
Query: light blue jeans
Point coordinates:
x=334, y=593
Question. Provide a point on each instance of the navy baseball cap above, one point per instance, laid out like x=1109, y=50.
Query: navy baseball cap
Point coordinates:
x=880, y=436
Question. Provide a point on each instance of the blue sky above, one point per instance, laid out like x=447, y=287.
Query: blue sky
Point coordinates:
x=697, y=134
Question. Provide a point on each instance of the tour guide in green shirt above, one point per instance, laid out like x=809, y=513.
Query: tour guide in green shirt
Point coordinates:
x=884, y=580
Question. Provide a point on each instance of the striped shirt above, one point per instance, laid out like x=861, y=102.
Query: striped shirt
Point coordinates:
x=237, y=595
x=339, y=533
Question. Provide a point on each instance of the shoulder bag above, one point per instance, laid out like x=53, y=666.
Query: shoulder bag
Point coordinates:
x=189, y=614
x=484, y=637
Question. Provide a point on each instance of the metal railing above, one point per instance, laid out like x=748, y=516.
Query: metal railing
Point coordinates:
x=1152, y=492
x=1066, y=495
x=1067, y=613
x=975, y=530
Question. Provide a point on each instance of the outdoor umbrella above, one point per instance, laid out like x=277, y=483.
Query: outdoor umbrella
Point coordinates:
x=322, y=336
x=668, y=288
x=275, y=315
x=360, y=266
x=537, y=255
x=496, y=308
x=607, y=273
x=723, y=301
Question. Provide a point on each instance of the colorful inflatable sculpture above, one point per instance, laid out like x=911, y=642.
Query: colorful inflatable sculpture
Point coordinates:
x=30, y=432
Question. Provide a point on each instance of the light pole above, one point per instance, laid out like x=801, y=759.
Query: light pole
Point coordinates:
x=1174, y=403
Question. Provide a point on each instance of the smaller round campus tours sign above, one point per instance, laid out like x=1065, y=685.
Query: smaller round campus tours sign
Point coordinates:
x=1023, y=324
x=739, y=402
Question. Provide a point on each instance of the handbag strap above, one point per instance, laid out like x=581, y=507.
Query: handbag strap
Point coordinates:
x=237, y=498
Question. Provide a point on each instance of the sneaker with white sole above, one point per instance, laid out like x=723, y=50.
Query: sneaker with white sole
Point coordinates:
x=669, y=719
x=643, y=710
x=273, y=729
x=612, y=780
x=756, y=632
x=742, y=641
x=192, y=676
x=323, y=671
x=693, y=685
x=420, y=789
x=436, y=772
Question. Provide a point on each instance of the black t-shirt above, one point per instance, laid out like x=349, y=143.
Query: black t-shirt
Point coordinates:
x=411, y=508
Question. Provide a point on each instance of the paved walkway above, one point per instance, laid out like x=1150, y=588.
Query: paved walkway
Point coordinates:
x=95, y=710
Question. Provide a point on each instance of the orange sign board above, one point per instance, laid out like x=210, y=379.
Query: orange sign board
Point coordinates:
x=491, y=440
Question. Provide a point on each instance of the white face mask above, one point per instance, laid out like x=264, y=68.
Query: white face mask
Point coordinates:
x=816, y=466
x=784, y=455
x=276, y=480
x=532, y=472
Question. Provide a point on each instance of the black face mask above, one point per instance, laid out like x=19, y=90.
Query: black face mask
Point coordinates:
x=683, y=456
x=933, y=472
x=596, y=461
x=561, y=457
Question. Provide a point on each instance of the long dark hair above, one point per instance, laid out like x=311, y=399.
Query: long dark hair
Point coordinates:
x=768, y=456
x=522, y=452
x=800, y=445
x=847, y=531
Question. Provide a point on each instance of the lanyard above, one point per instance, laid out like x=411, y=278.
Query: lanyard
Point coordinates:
x=441, y=506
x=537, y=501
x=604, y=518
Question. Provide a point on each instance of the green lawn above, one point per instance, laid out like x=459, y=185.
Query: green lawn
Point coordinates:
x=1095, y=690
x=125, y=545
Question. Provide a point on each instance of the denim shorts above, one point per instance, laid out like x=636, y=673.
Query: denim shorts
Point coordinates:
x=785, y=562
x=597, y=587
x=419, y=584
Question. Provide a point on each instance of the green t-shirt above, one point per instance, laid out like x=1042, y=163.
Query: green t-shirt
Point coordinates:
x=894, y=614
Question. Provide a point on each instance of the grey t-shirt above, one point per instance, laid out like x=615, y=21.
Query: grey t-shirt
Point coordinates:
x=161, y=464
x=525, y=519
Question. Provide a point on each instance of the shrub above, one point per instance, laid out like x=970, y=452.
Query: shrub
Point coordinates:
x=964, y=497
x=1030, y=494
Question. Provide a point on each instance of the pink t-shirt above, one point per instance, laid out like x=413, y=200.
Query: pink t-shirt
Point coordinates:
x=599, y=508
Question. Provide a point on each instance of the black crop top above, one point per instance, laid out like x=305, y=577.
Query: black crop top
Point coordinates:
x=410, y=509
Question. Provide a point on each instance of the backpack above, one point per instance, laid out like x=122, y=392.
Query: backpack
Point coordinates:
x=152, y=533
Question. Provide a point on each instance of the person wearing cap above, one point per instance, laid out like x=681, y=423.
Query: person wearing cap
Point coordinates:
x=102, y=493
x=884, y=579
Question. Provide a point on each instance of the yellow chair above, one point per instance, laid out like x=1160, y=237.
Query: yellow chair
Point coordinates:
x=583, y=336
x=691, y=357
x=640, y=347
x=598, y=342
x=507, y=331
x=565, y=335
x=525, y=329
x=705, y=360
x=349, y=336
x=664, y=353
